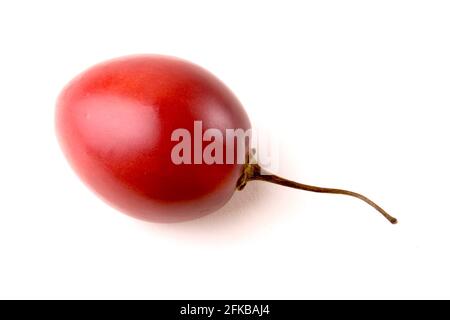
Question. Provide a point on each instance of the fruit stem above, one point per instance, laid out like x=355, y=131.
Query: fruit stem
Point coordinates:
x=253, y=172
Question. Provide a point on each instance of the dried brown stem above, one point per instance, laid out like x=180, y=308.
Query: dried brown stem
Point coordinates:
x=253, y=172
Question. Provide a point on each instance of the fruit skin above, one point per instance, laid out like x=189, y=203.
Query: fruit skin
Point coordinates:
x=114, y=123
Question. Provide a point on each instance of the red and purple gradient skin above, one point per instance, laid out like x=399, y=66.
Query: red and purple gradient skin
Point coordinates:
x=114, y=123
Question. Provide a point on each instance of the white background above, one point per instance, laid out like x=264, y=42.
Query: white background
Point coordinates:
x=358, y=93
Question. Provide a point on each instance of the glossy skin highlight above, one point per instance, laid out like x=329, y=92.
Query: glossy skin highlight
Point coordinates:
x=114, y=123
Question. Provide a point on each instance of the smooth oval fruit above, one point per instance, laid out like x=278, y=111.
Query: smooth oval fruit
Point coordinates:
x=114, y=123
x=117, y=121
